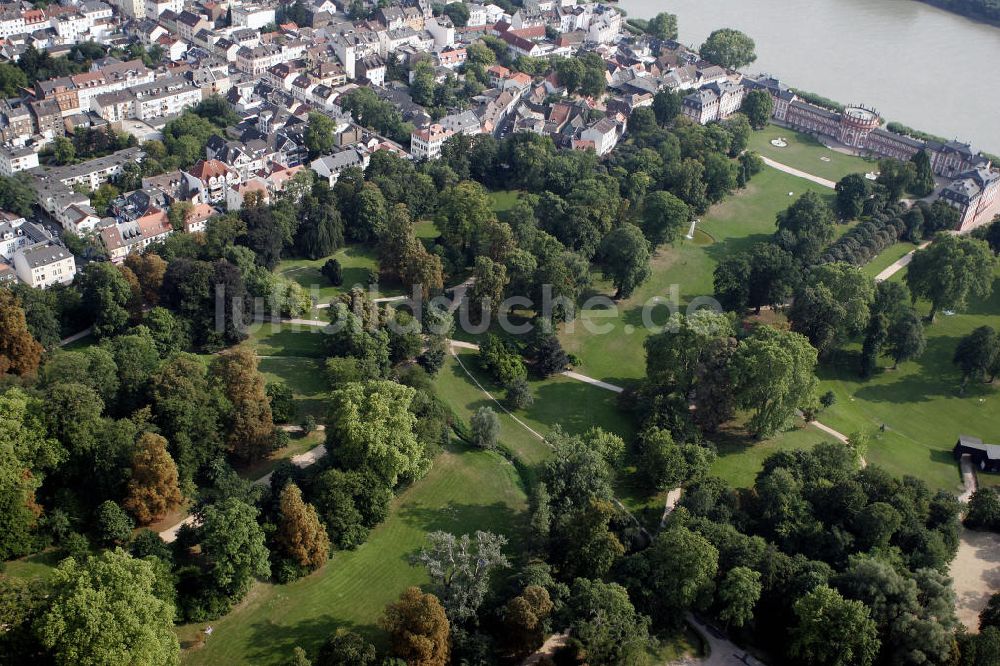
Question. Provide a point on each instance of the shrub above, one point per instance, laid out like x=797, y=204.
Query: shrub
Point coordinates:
x=333, y=272
x=519, y=395
x=485, y=428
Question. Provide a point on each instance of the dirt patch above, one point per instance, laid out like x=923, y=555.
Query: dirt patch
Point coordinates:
x=976, y=574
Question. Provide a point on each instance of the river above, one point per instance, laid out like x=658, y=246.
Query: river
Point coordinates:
x=916, y=64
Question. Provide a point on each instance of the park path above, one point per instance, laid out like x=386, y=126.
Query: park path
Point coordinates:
x=76, y=336
x=899, y=264
x=721, y=651
x=796, y=172
x=969, y=479
x=535, y=433
x=169, y=535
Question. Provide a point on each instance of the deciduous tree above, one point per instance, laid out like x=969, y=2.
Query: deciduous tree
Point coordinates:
x=729, y=48
x=418, y=629
x=605, y=622
x=371, y=427
x=625, y=259
x=250, y=435
x=950, y=270
x=663, y=26
x=738, y=594
x=832, y=631
x=20, y=353
x=758, y=107
x=106, y=612
x=461, y=567
x=153, y=489
x=301, y=537
x=232, y=548
x=485, y=426
x=774, y=375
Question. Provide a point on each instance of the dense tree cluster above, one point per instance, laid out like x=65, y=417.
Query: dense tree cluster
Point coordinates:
x=831, y=541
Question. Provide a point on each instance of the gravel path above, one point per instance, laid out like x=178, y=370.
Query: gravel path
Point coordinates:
x=795, y=172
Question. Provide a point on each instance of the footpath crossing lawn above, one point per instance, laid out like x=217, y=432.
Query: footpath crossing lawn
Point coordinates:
x=740, y=459
x=684, y=269
x=805, y=153
x=887, y=258
x=463, y=492
x=572, y=404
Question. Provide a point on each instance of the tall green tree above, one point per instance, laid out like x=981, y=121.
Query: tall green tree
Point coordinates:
x=729, y=48
x=806, y=227
x=674, y=575
x=106, y=612
x=625, y=259
x=923, y=174
x=664, y=217
x=319, y=135
x=738, y=594
x=371, y=427
x=27, y=452
x=106, y=293
x=605, y=622
x=774, y=376
x=976, y=355
x=852, y=192
x=758, y=107
x=232, y=548
x=906, y=338
x=949, y=271
x=663, y=26
x=832, y=631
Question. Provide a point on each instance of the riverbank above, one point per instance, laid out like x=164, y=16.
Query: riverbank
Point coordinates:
x=979, y=11
x=880, y=51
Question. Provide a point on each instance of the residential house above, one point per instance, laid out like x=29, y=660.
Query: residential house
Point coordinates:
x=210, y=179
x=329, y=167
x=425, y=143
x=44, y=264
x=603, y=135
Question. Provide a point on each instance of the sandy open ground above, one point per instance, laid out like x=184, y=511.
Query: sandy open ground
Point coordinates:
x=976, y=572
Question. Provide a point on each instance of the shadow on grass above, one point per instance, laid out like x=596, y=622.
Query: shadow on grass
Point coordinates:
x=461, y=518
x=272, y=643
x=289, y=341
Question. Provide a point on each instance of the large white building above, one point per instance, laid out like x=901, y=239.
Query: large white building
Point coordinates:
x=44, y=265
x=425, y=144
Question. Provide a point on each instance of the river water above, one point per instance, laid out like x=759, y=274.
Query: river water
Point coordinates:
x=916, y=64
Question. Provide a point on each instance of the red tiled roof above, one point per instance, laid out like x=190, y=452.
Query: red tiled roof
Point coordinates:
x=206, y=169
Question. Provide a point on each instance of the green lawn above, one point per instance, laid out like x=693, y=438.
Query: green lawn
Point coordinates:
x=574, y=405
x=504, y=200
x=888, y=257
x=464, y=491
x=426, y=229
x=805, y=153
x=83, y=343
x=355, y=260
x=39, y=565
x=919, y=403
x=289, y=340
x=684, y=269
x=740, y=459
